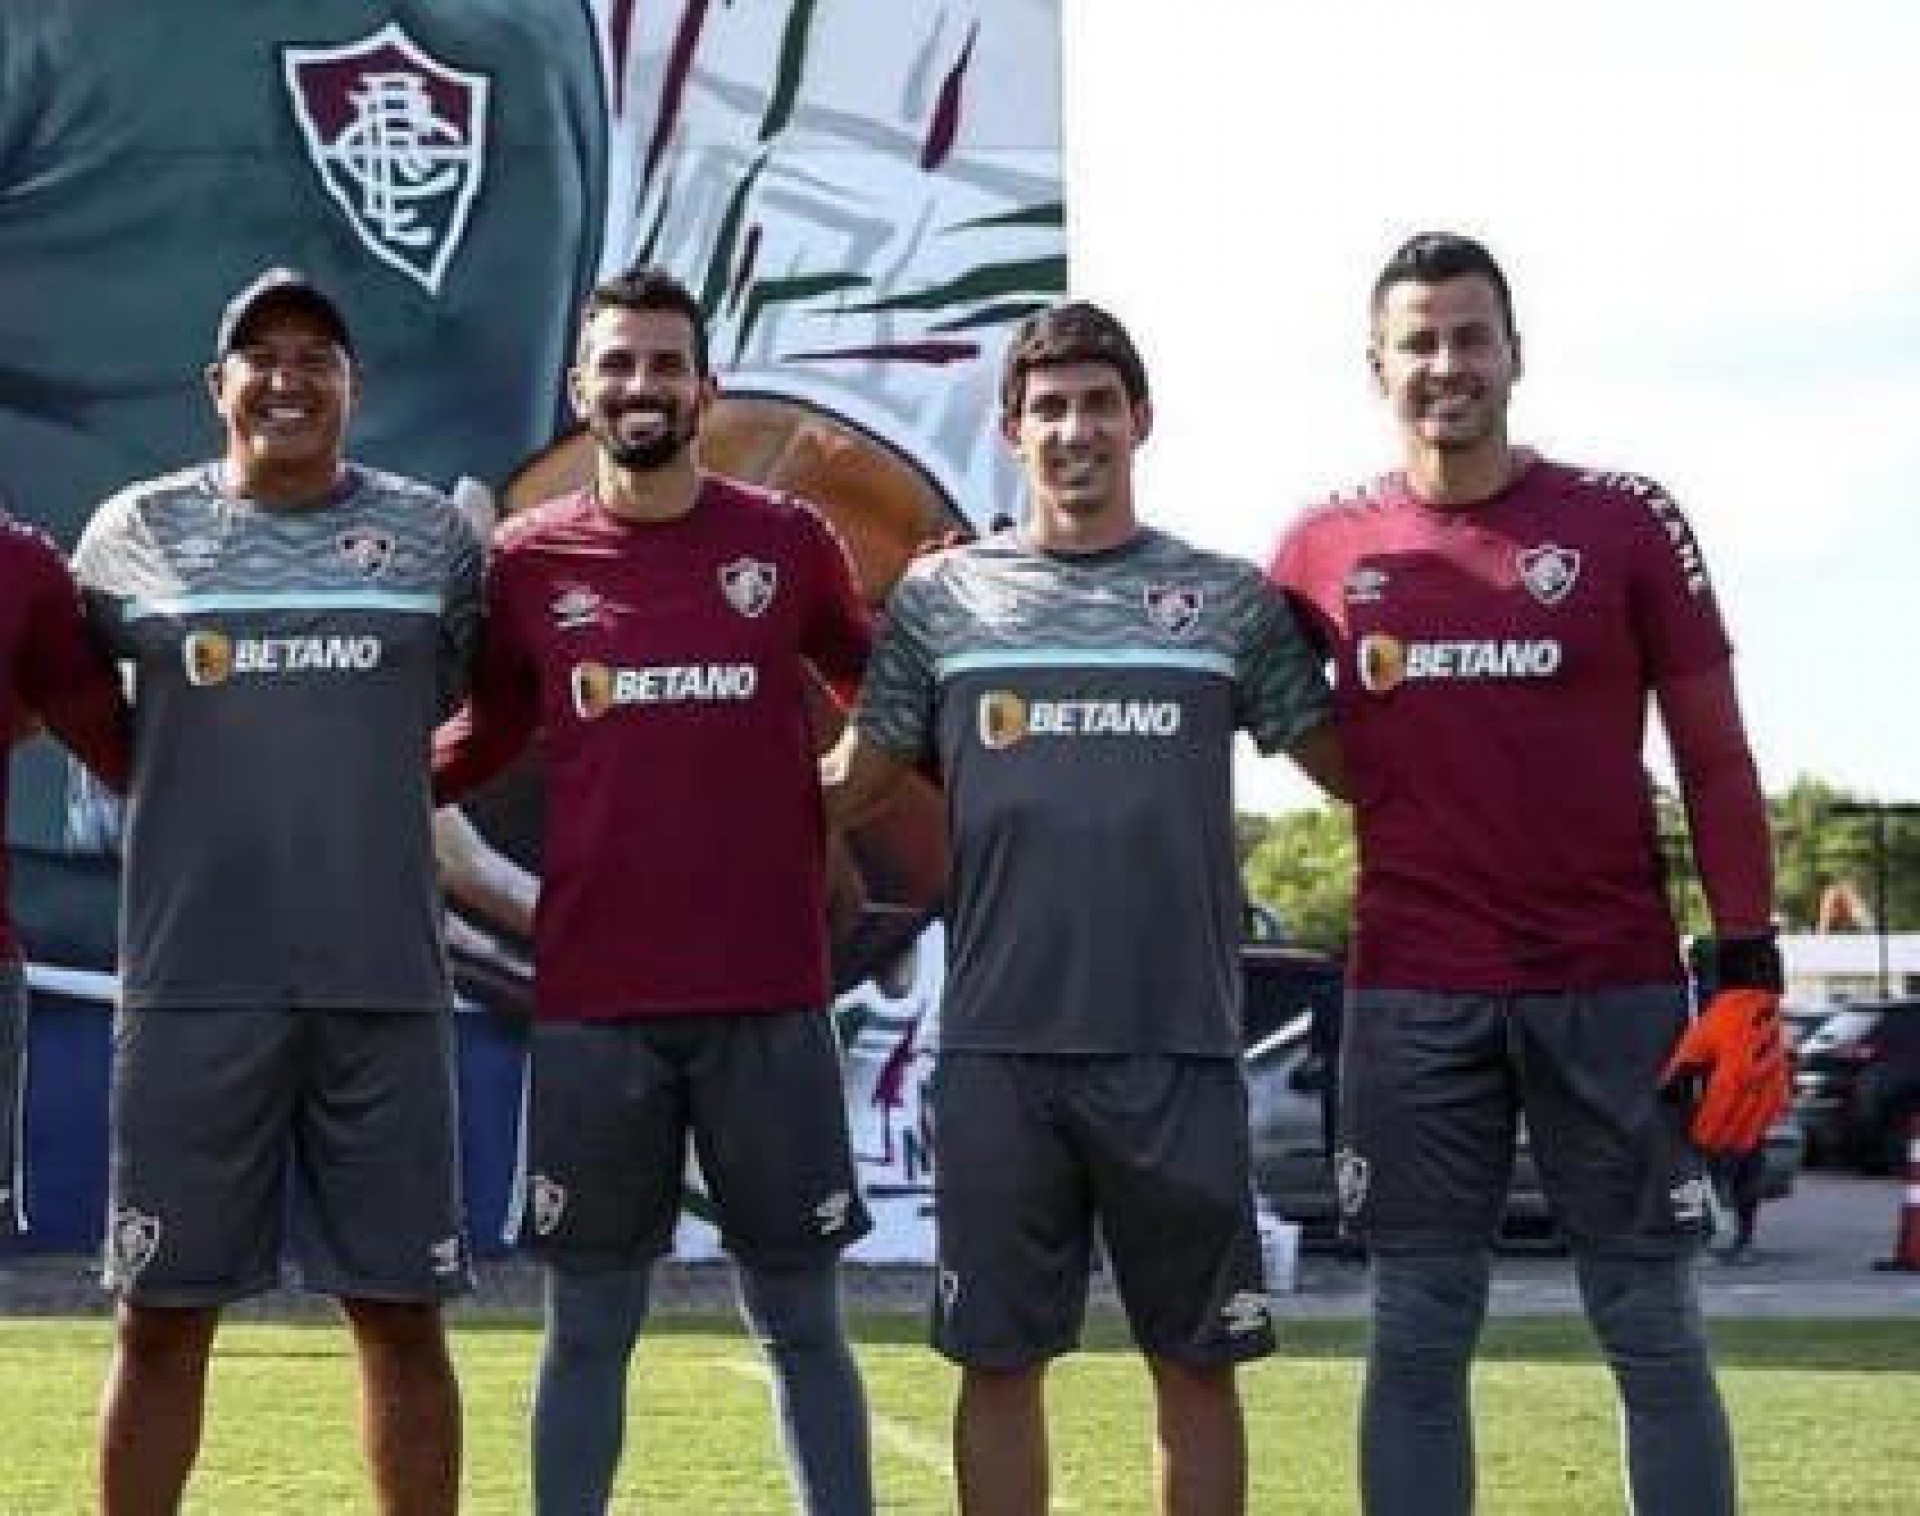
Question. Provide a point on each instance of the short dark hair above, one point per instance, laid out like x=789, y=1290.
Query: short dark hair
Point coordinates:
x=648, y=288
x=1075, y=331
x=1432, y=257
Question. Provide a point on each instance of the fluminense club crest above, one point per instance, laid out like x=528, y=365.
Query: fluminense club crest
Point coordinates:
x=1174, y=608
x=368, y=552
x=399, y=140
x=1549, y=572
x=748, y=584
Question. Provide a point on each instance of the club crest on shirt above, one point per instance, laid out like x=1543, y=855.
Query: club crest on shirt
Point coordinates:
x=1174, y=609
x=399, y=142
x=368, y=552
x=1548, y=572
x=748, y=584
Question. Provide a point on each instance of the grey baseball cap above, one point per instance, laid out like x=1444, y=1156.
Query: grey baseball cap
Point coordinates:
x=279, y=289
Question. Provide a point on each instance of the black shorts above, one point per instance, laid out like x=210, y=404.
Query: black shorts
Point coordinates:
x=1432, y=1087
x=213, y=1114
x=13, y=1100
x=1034, y=1152
x=609, y=1108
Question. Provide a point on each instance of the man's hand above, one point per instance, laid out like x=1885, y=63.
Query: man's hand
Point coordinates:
x=1738, y=1045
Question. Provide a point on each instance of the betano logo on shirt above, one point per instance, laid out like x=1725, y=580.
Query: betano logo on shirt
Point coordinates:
x=598, y=688
x=213, y=657
x=1385, y=662
x=1007, y=718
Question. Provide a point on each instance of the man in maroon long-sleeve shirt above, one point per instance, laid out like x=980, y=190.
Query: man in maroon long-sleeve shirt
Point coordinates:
x=51, y=671
x=657, y=630
x=1498, y=622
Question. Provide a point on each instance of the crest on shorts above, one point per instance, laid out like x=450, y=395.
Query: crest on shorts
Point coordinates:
x=549, y=1205
x=449, y=1254
x=368, y=552
x=398, y=139
x=133, y=1237
x=748, y=584
x=1174, y=609
x=1352, y=1175
x=1548, y=572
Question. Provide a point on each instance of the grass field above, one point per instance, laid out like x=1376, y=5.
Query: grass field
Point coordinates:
x=1824, y=1411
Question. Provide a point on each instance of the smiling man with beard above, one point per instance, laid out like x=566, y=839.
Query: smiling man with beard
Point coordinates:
x=296, y=624
x=1497, y=622
x=658, y=628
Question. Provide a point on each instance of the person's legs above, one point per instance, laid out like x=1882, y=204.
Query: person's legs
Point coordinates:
x=603, y=1148
x=769, y=1122
x=197, y=1142
x=1416, y=1413
x=150, y=1413
x=1200, y=1439
x=580, y=1394
x=1628, y=1185
x=1427, y=1113
x=794, y=1315
x=409, y=1407
x=1014, y=1213
x=1679, y=1450
x=1000, y=1441
x=1165, y=1142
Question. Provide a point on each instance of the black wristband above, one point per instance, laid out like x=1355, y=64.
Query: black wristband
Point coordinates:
x=1748, y=963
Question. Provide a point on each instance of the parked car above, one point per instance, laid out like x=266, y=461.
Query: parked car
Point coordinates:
x=1858, y=1084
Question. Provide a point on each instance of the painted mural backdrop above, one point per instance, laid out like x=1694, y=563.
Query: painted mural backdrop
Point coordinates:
x=865, y=195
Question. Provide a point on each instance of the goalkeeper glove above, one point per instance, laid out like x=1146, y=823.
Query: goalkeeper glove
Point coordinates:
x=1737, y=1045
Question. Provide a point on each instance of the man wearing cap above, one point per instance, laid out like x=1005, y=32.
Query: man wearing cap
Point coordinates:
x=295, y=623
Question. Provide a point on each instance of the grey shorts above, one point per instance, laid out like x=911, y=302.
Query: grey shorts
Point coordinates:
x=13, y=1101
x=1035, y=1152
x=215, y=1116
x=610, y=1107
x=1432, y=1087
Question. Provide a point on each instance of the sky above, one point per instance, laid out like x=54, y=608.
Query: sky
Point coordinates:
x=1709, y=219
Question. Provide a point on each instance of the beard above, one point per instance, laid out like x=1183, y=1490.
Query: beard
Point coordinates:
x=655, y=452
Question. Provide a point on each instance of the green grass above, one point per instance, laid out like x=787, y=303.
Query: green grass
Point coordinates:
x=1823, y=1411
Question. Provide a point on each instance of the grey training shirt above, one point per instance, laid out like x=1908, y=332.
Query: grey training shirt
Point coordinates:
x=1082, y=710
x=290, y=666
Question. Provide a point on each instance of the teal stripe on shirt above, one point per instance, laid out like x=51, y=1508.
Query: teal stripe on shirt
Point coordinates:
x=424, y=602
x=1086, y=657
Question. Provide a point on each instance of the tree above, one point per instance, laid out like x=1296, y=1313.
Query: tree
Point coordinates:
x=1814, y=848
x=1303, y=869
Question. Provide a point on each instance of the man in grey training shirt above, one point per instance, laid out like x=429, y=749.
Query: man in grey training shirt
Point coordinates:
x=296, y=625
x=1078, y=681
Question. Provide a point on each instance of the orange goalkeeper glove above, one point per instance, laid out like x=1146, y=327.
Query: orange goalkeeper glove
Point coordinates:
x=1738, y=1046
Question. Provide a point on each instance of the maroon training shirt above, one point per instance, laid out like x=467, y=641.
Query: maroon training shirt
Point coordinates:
x=1493, y=672
x=51, y=668
x=665, y=666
